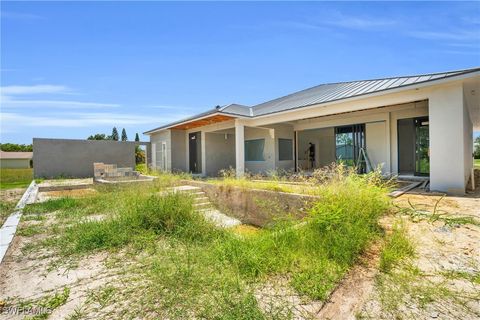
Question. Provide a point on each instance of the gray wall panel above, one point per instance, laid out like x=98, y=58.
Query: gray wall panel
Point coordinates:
x=75, y=158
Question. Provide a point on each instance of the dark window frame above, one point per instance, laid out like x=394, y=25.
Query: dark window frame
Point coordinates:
x=262, y=153
x=290, y=151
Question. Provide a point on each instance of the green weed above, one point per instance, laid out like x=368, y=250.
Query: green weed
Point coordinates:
x=397, y=248
x=196, y=270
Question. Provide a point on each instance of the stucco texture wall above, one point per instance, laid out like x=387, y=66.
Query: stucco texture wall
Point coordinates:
x=284, y=132
x=324, y=141
x=157, y=140
x=219, y=152
x=376, y=141
x=178, y=150
x=268, y=152
x=75, y=158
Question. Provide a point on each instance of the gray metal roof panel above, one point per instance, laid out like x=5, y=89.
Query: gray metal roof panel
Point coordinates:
x=343, y=90
x=237, y=109
x=321, y=94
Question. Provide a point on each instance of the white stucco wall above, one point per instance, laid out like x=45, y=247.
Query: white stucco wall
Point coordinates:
x=448, y=132
x=467, y=142
x=15, y=163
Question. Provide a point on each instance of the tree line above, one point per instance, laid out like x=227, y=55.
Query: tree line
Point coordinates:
x=13, y=147
x=114, y=136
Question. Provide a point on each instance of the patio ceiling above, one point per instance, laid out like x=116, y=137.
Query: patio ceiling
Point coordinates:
x=202, y=122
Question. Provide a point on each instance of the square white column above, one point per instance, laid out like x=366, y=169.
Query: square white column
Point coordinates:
x=448, y=131
x=240, y=149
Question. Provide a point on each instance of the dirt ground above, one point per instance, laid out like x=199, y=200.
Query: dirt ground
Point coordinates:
x=8, y=200
x=446, y=254
x=445, y=281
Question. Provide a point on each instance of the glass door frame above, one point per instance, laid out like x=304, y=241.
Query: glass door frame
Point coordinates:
x=417, y=124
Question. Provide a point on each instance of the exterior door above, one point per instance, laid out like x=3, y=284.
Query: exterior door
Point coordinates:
x=413, y=146
x=422, y=147
x=194, y=151
x=406, y=146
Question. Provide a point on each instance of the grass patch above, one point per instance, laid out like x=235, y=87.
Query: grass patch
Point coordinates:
x=476, y=163
x=15, y=178
x=6, y=208
x=192, y=269
x=30, y=230
x=397, y=248
x=45, y=305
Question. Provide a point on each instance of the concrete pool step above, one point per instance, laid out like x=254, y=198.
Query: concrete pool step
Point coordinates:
x=202, y=205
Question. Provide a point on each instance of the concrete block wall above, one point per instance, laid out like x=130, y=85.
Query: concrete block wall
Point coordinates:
x=74, y=158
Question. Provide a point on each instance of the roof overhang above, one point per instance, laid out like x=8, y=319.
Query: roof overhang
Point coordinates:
x=195, y=122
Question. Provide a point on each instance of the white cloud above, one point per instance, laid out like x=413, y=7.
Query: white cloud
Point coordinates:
x=339, y=19
x=458, y=35
x=171, y=108
x=15, y=120
x=35, y=89
x=9, y=98
x=6, y=102
x=20, y=15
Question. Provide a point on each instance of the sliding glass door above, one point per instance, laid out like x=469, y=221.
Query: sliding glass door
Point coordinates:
x=348, y=142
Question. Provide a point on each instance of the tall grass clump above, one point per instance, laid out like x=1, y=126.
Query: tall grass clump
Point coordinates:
x=141, y=218
x=346, y=217
x=397, y=248
x=317, y=252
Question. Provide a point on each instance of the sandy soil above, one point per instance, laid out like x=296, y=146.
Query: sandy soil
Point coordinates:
x=442, y=250
x=75, y=193
x=31, y=277
x=9, y=199
x=350, y=295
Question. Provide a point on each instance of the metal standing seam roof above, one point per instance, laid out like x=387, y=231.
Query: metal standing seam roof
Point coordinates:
x=343, y=90
x=324, y=93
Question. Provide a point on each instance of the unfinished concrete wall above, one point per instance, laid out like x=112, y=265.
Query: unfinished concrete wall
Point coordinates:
x=161, y=150
x=324, y=141
x=376, y=141
x=269, y=150
x=284, y=132
x=219, y=152
x=75, y=158
x=256, y=207
x=178, y=150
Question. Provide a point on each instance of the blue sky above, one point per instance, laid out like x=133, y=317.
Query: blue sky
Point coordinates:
x=72, y=69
